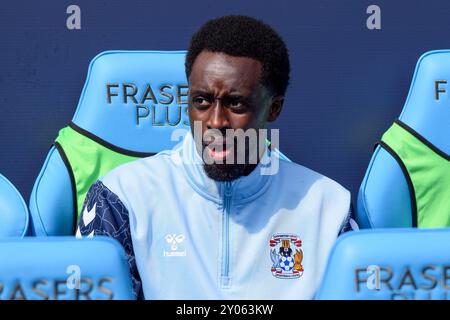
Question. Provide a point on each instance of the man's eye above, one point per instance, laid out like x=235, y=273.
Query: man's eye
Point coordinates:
x=237, y=106
x=201, y=102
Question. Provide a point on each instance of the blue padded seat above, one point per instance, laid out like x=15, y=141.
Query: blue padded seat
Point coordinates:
x=14, y=217
x=63, y=268
x=384, y=198
x=132, y=102
x=395, y=263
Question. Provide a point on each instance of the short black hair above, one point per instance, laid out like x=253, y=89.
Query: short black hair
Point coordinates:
x=244, y=36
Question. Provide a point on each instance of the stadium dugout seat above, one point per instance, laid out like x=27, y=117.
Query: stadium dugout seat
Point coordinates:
x=14, y=217
x=63, y=268
x=389, y=264
x=131, y=104
x=386, y=197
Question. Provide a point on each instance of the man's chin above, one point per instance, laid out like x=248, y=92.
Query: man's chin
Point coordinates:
x=224, y=172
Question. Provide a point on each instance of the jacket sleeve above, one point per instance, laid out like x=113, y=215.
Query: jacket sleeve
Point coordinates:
x=105, y=214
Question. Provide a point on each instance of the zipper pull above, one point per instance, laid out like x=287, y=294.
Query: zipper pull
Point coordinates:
x=228, y=189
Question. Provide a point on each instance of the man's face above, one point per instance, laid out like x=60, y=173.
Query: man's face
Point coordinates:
x=225, y=93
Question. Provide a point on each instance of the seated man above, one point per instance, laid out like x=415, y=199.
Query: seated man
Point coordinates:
x=223, y=215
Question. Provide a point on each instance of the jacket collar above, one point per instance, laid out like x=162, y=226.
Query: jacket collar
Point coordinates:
x=243, y=189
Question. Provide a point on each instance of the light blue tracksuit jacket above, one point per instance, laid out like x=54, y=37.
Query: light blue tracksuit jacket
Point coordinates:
x=263, y=236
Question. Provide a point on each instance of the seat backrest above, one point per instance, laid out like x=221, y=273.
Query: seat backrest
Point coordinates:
x=385, y=198
x=135, y=99
x=131, y=104
x=63, y=268
x=396, y=263
x=14, y=217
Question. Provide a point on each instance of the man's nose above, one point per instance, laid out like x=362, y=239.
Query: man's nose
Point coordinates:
x=218, y=118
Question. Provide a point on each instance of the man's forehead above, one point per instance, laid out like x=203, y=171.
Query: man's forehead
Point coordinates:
x=213, y=69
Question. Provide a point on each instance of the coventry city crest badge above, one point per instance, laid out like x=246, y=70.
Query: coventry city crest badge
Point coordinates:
x=286, y=255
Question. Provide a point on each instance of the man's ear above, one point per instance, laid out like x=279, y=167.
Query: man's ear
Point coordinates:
x=275, y=108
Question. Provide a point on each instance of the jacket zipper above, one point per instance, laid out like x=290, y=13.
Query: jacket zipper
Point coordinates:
x=225, y=274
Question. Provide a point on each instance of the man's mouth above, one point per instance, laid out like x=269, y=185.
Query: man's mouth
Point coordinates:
x=218, y=154
x=219, y=149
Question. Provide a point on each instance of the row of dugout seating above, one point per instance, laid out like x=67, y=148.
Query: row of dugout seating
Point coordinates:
x=134, y=103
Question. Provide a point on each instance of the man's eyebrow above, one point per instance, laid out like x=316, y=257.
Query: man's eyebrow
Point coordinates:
x=200, y=92
x=238, y=92
x=237, y=96
x=233, y=94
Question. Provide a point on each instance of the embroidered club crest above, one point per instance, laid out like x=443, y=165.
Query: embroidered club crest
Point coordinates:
x=286, y=255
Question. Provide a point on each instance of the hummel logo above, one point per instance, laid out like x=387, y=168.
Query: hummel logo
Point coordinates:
x=174, y=240
x=78, y=234
x=89, y=216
